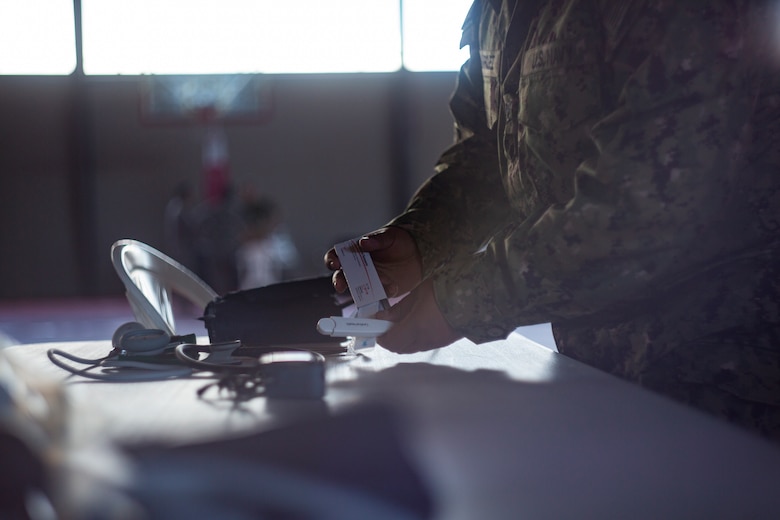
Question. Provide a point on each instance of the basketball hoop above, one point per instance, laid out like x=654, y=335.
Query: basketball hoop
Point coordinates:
x=205, y=99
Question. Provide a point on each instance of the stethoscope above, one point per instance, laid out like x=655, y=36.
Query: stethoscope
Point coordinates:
x=156, y=355
x=134, y=346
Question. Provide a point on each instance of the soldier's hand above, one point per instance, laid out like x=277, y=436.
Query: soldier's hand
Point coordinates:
x=395, y=257
x=418, y=323
x=332, y=263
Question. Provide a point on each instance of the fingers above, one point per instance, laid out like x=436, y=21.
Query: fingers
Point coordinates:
x=390, y=254
x=331, y=260
x=339, y=281
x=377, y=240
x=333, y=264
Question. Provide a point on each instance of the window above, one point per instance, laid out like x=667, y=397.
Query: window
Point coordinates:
x=235, y=36
x=232, y=36
x=431, y=33
x=37, y=37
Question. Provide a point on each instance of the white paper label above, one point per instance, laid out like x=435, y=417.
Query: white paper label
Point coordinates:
x=361, y=275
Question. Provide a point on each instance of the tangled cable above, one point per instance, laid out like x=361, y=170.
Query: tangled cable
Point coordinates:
x=141, y=354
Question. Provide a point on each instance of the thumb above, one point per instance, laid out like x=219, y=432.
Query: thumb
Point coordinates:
x=386, y=314
x=398, y=311
x=376, y=240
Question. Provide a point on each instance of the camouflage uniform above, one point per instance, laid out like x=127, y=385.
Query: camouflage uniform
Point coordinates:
x=616, y=172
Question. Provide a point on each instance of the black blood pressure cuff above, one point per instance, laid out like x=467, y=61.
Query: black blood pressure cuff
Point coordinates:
x=280, y=314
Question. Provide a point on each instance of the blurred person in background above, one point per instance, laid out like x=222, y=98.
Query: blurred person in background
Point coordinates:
x=267, y=254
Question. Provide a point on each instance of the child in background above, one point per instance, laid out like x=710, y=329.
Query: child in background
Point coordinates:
x=266, y=254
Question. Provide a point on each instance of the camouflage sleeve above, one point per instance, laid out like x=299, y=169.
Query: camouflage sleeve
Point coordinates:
x=464, y=202
x=656, y=200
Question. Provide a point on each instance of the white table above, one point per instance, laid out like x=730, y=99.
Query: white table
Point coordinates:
x=502, y=430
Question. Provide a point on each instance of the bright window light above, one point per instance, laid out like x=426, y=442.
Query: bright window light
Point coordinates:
x=231, y=36
x=432, y=31
x=240, y=36
x=37, y=37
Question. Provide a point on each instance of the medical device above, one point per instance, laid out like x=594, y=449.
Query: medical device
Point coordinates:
x=343, y=326
x=367, y=293
x=150, y=351
x=264, y=338
x=155, y=355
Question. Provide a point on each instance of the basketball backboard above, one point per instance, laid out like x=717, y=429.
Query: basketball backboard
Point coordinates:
x=208, y=98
